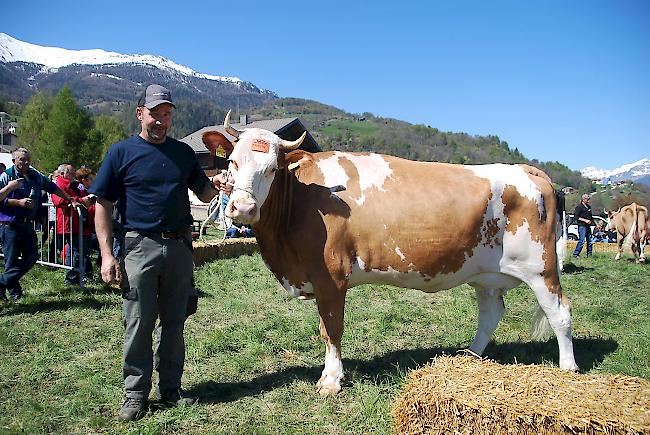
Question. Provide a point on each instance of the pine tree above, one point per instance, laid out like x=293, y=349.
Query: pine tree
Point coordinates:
x=33, y=121
x=106, y=131
x=64, y=135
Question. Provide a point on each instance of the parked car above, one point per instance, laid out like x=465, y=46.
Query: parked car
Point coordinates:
x=572, y=228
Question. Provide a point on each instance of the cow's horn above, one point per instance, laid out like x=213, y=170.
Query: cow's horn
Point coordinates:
x=226, y=125
x=289, y=145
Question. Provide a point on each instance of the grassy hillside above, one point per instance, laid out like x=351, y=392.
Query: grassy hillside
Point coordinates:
x=612, y=197
x=254, y=354
x=338, y=130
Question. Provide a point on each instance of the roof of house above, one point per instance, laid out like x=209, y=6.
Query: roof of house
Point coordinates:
x=277, y=126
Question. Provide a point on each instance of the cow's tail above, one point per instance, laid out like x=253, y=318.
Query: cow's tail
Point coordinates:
x=561, y=230
x=541, y=327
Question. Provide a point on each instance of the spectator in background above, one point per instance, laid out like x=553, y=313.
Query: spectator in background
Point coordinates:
x=85, y=176
x=3, y=167
x=67, y=221
x=239, y=230
x=55, y=242
x=585, y=220
x=600, y=235
x=17, y=213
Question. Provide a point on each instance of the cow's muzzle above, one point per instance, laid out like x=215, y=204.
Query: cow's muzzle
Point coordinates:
x=242, y=210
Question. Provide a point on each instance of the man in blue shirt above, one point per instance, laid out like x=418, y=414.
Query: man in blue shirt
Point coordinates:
x=150, y=174
x=17, y=213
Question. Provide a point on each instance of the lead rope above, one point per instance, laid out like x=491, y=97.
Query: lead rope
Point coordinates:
x=213, y=211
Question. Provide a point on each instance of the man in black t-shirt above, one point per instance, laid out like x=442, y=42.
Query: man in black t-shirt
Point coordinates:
x=150, y=174
x=585, y=220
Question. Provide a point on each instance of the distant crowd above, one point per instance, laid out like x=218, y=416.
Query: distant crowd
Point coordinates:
x=61, y=207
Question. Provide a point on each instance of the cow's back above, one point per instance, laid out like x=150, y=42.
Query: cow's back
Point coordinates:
x=434, y=224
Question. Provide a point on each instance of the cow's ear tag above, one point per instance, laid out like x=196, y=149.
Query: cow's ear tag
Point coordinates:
x=260, y=145
x=220, y=152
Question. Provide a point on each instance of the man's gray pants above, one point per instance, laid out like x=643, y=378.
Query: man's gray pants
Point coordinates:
x=156, y=284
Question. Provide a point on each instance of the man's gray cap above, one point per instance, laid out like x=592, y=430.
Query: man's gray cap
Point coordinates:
x=585, y=196
x=155, y=95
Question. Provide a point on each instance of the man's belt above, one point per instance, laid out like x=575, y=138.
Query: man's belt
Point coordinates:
x=163, y=234
x=22, y=219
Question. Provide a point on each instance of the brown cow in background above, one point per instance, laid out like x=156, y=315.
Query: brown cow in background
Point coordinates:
x=631, y=226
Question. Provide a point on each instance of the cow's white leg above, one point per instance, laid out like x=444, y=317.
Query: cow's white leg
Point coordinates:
x=490, y=311
x=331, y=329
x=557, y=308
x=642, y=246
x=618, y=256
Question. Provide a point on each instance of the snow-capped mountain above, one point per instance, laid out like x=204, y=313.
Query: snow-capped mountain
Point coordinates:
x=630, y=171
x=99, y=77
x=13, y=50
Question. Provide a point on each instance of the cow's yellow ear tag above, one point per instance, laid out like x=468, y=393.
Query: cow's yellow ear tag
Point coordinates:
x=220, y=152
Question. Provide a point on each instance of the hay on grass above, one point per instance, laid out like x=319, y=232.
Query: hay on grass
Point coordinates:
x=467, y=395
x=229, y=248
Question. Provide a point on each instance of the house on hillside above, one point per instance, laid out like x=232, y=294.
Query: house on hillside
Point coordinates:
x=8, y=138
x=214, y=160
x=568, y=190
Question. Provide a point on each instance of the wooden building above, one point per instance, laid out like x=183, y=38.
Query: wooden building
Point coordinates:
x=215, y=159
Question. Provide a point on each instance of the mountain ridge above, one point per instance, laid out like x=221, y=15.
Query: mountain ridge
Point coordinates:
x=14, y=50
x=627, y=172
x=101, y=76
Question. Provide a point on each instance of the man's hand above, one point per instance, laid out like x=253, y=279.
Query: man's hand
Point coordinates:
x=26, y=203
x=222, y=182
x=87, y=201
x=111, y=272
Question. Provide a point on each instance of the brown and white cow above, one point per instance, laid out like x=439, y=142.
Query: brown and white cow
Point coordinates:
x=329, y=221
x=631, y=226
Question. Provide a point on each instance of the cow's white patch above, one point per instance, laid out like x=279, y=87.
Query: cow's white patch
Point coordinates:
x=373, y=171
x=523, y=256
x=301, y=292
x=332, y=171
x=516, y=177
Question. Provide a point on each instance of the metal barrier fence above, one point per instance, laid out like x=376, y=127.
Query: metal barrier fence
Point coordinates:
x=55, y=246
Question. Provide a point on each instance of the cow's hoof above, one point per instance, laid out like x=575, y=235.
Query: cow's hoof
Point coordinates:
x=329, y=388
x=571, y=368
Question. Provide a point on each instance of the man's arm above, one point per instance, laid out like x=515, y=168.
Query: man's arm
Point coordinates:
x=10, y=187
x=218, y=183
x=104, y=228
x=62, y=194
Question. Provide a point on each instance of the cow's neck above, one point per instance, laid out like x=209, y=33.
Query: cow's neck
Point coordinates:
x=273, y=231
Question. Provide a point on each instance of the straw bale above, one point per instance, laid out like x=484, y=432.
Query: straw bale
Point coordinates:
x=217, y=249
x=600, y=247
x=466, y=395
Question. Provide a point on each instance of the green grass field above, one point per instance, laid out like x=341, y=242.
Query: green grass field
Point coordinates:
x=254, y=354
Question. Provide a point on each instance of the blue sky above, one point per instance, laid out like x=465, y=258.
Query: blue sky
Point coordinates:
x=566, y=81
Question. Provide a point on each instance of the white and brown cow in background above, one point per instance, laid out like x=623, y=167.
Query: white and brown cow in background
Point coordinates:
x=326, y=222
x=631, y=226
